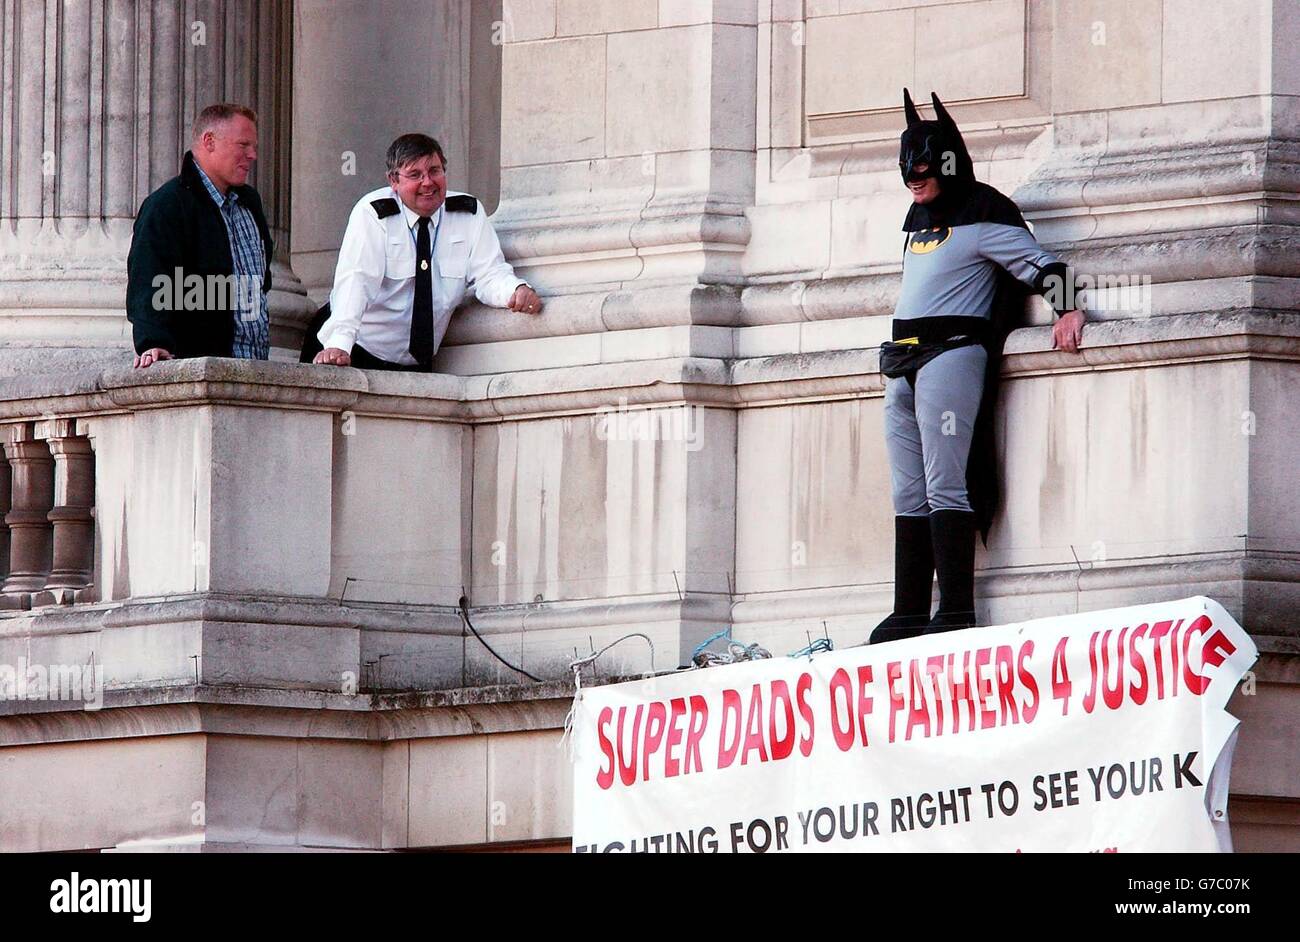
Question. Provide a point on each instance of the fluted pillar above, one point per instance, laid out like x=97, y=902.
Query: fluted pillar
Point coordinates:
x=97, y=98
x=4, y=509
x=32, y=497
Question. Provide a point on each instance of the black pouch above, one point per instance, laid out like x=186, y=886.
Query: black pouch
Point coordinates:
x=904, y=359
x=898, y=360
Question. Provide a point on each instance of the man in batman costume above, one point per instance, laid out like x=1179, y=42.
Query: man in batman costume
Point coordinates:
x=969, y=262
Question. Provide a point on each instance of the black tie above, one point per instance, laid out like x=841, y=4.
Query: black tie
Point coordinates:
x=422, y=311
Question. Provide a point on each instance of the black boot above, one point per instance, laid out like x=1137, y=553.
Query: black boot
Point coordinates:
x=913, y=578
x=953, y=535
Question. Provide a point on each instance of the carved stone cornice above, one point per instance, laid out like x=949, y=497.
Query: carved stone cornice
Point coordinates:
x=264, y=711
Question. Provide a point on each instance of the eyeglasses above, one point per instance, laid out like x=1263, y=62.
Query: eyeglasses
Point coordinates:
x=432, y=176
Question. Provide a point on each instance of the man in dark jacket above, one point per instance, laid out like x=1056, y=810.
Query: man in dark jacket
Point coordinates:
x=200, y=261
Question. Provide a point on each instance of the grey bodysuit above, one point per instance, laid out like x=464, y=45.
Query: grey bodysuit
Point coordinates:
x=929, y=422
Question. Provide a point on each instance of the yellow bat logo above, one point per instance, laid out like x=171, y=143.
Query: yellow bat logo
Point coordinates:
x=925, y=241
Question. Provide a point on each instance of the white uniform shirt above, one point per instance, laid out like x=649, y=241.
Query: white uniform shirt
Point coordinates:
x=374, y=282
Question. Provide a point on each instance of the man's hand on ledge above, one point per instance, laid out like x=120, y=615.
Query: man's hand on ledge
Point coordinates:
x=525, y=300
x=334, y=357
x=150, y=357
x=1067, y=334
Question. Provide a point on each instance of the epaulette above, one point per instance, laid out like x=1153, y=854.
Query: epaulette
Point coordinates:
x=462, y=203
x=386, y=207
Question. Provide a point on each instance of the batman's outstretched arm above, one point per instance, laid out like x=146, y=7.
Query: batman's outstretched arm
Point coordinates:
x=1016, y=250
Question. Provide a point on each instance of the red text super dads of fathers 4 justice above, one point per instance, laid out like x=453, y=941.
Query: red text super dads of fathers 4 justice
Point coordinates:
x=960, y=691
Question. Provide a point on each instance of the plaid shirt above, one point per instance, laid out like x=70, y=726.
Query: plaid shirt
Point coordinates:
x=252, y=334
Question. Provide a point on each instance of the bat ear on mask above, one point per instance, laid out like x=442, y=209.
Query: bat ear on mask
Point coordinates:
x=942, y=113
x=952, y=133
x=909, y=109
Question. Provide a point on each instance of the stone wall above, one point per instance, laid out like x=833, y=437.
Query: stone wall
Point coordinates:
x=689, y=438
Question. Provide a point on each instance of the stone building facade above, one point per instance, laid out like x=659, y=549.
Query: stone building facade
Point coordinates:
x=258, y=567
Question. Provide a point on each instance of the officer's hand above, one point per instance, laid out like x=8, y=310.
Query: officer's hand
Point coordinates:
x=334, y=357
x=525, y=299
x=150, y=357
x=1067, y=334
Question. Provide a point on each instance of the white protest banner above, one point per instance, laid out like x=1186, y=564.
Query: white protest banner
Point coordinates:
x=1104, y=731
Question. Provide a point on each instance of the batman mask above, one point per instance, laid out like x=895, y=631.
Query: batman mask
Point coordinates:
x=938, y=145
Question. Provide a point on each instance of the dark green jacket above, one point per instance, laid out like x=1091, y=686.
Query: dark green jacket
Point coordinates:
x=180, y=227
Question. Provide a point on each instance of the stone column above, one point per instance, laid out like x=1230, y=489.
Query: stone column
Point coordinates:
x=1174, y=152
x=627, y=168
x=96, y=104
x=31, y=535
x=71, y=516
x=4, y=509
x=348, y=106
x=627, y=142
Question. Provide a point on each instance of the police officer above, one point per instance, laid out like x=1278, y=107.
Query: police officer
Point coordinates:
x=410, y=253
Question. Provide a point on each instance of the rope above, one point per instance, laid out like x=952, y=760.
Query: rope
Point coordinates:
x=580, y=663
x=735, y=653
x=724, y=633
x=566, y=738
x=821, y=644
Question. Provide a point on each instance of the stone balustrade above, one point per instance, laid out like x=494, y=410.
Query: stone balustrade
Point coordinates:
x=47, y=500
